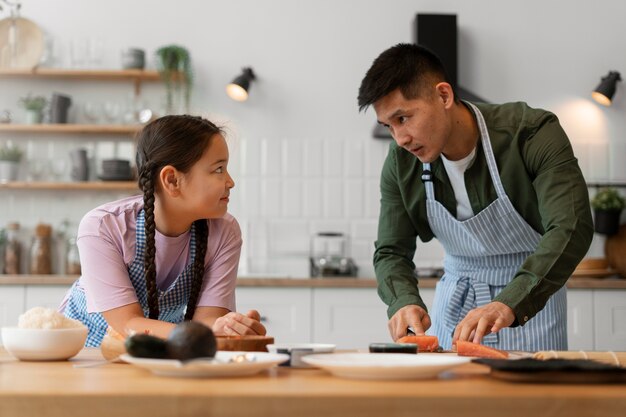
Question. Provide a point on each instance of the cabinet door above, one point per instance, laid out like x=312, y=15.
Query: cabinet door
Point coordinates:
x=11, y=304
x=49, y=296
x=580, y=319
x=285, y=312
x=610, y=319
x=351, y=318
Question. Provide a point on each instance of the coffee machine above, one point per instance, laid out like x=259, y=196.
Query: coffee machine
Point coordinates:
x=329, y=256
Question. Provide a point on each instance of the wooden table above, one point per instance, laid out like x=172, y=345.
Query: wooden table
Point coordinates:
x=114, y=390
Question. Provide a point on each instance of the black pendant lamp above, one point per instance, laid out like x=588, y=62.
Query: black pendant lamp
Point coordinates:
x=238, y=88
x=605, y=91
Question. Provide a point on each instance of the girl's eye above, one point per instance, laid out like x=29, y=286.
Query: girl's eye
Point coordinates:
x=220, y=170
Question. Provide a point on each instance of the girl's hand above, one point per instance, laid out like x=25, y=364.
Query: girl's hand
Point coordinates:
x=237, y=324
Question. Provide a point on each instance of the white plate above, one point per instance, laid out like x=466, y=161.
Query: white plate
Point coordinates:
x=202, y=368
x=385, y=365
x=29, y=43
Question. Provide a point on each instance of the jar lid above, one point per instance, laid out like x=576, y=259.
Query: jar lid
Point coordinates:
x=13, y=226
x=43, y=230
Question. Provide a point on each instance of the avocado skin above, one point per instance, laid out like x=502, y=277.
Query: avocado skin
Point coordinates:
x=146, y=346
x=190, y=340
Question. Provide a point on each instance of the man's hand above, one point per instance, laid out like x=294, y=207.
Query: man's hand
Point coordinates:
x=490, y=318
x=408, y=316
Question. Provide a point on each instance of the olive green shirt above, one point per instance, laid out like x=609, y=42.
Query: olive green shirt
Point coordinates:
x=542, y=179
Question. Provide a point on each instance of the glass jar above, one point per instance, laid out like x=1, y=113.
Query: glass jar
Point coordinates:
x=41, y=251
x=12, y=250
x=72, y=260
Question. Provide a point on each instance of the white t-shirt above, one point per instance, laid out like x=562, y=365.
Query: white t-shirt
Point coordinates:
x=456, y=173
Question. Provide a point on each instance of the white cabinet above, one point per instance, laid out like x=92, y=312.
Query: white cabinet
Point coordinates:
x=352, y=318
x=49, y=296
x=11, y=305
x=610, y=319
x=285, y=312
x=580, y=319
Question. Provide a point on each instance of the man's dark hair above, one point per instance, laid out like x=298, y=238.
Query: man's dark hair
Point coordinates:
x=408, y=67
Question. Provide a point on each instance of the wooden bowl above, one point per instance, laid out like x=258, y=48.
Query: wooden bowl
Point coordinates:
x=244, y=343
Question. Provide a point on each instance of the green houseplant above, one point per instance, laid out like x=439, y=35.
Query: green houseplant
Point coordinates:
x=174, y=66
x=10, y=157
x=607, y=205
x=34, y=106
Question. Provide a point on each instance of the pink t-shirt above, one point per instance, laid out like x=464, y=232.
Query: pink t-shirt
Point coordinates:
x=106, y=243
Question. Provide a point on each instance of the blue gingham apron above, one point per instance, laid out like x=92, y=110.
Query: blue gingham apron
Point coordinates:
x=482, y=255
x=172, y=302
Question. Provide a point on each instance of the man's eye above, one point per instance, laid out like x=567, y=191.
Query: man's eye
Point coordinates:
x=402, y=119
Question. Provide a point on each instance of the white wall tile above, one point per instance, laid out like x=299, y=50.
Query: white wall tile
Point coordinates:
x=271, y=200
x=364, y=229
x=375, y=153
x=292, y=198
x=250, y=197
x=598, y=162
x=354, y=191
x=429, y=254
x=372, y=198
x=287, y=237
x=271, y=156
x=617, y=165
x=333, y=158
x=250, y=157
x=333, y=198
x=354, y=158
x=292, y=155
x=312, y=159
x=312, y=198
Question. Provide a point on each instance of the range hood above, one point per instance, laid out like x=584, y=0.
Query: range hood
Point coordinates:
x=438, y=32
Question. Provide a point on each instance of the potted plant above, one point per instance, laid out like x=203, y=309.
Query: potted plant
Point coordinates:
x=10, y=157
x=34, y=106
x=174, y=66
x=607, y=205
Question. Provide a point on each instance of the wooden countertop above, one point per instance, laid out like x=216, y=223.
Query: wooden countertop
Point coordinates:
x=58, y=389
x=614, y=282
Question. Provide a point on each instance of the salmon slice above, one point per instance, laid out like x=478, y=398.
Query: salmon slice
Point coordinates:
x=464, y=348
x=424, y=343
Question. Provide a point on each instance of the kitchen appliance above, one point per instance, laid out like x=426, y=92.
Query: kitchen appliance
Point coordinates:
x=329, y=256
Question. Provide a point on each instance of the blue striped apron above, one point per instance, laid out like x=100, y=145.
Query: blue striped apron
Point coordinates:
x=172, y=301
x=482, y=255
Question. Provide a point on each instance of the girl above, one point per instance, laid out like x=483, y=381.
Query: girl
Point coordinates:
x=170, y=255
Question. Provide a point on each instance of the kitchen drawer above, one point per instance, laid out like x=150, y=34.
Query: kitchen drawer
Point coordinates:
x=49, y=296
x=580, y=319
x=285, y=312
x=610, y=319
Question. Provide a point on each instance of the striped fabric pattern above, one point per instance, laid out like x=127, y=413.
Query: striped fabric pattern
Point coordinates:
x=172, y=301
x=483, y=254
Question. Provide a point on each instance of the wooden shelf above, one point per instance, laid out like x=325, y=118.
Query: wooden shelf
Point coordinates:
x=87, y=185
x=140, y=75
x=71, y=128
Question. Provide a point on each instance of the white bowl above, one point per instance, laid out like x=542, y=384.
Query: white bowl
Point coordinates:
x=297, y=351
x=43, y=344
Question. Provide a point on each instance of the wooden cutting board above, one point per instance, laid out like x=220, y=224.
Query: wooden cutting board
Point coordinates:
x=615, y=249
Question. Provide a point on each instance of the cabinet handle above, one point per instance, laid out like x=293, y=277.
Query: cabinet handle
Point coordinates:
x=263, y=319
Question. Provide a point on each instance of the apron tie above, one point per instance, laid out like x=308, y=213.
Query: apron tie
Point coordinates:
x=468, y=294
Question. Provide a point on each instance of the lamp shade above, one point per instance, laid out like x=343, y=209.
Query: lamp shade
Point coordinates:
x=238, y=88
x=605, y=91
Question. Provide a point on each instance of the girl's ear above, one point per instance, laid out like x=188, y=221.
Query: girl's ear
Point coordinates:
x=170, y=180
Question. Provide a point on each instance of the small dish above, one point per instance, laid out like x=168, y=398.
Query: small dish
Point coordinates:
x=43, y=344
x=29, y=43
x=385, y=366
x=297, y=351
x=198, y=368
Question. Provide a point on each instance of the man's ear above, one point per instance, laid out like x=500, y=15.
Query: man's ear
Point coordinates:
x=170, y=180
x=445, y=94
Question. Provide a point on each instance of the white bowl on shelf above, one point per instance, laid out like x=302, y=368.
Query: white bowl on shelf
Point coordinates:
x=43, y=344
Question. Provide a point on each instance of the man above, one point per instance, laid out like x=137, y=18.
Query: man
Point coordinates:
x=497, y=185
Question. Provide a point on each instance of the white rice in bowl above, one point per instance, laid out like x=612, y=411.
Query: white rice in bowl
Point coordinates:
x=46, y=318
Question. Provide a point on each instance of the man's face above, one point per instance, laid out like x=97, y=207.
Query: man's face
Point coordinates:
x=421, y=126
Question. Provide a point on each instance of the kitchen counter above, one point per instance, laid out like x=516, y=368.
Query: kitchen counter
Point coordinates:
x=57, y=389
x=614, y=282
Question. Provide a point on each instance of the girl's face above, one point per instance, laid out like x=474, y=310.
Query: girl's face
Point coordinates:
x=207, y=184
